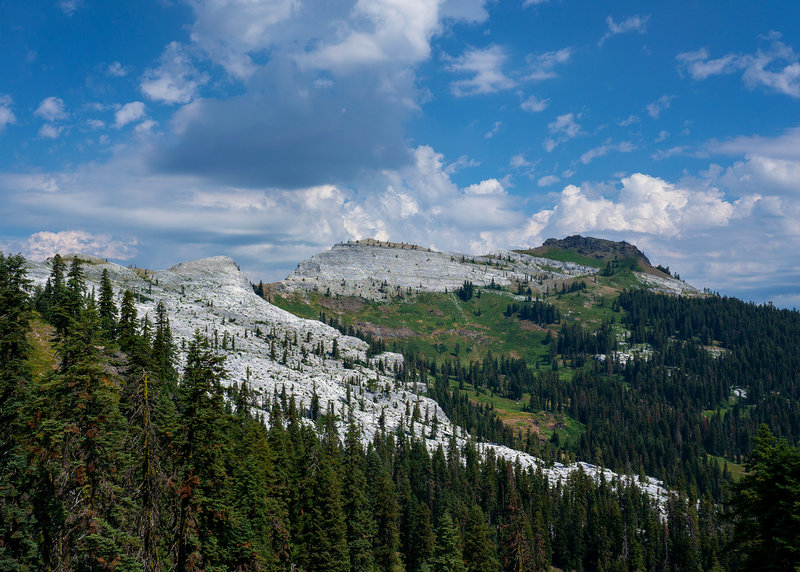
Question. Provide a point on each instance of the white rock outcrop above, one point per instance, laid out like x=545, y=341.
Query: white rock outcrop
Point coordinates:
x=381, y=270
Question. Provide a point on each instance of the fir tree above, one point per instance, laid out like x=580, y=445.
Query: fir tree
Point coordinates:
x=448, y=552
x=107, y=307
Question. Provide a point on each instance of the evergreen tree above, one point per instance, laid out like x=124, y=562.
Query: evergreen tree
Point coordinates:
x=448, y=552
x=479, y=550
x=18, y=544
x=202, y=516
x=766, y=505
x=107, y=307
x=358, y=516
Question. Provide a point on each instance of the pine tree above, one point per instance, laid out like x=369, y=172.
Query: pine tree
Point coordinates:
x=479, y=550
x=766, y=505
x=127, y=322
x=107, y=307
x=18, y=544
x=448, y=552
x=387, y=540
x=201, y=518
x=358, y=516
x=422, y=547
x=327, y=545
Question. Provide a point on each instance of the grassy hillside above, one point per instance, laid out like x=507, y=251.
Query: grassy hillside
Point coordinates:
x=442, y=326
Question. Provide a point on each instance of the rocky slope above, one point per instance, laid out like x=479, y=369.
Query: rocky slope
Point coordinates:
x=381, y=270
x=213, y=297
x=377, y=270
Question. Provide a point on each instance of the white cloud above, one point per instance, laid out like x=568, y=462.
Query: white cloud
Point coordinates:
x=485, y=65
x=473, y=11
x=542, y=65
x=519, y=161
x=563, y=129
x=116, y=69
x=128, y=113
x=776, y=68
x=340, y=37
x=462, y=162
x=671, y=152
x=637, y=24
x=487, y=187
x=185, y=217
x=548, y=180
x=6, y=115
x=42, y=245
x=645, y=204
x=533, y=2
x=592, y=154
x=655, y=108
x=69, y=7
x=50, y=131
x=51, y=109
x=494, y=130
x=175, y=80
x=630, y=120
x=145, y=127
x=534, y=104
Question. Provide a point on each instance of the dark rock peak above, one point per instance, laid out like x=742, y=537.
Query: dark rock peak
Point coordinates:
x=598, y=248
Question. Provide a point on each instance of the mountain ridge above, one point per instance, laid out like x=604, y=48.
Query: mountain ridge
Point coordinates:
x=378, y=270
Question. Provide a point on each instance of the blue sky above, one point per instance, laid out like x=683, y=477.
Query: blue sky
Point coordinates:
x=153, y=132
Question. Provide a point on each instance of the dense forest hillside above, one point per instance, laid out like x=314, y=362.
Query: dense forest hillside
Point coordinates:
x=124, y=446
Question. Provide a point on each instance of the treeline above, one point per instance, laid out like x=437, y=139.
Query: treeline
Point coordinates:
x=679, y=411
x=758, y=354
x=114, y=460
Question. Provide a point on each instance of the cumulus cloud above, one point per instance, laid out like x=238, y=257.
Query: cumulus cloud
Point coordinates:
x=644, y=204
x=637, y=24
x=563, y=129
x=534, y=104
x=175, y=80
x=366, y=33
x=485, y=66
x=776, y=68
x=655, y=108
x=128, y=113
x=51, y=109
x=487, y=187
x=45, y=244
x=6, y=115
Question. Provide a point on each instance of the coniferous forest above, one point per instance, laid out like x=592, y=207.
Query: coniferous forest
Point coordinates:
x=111, y=458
